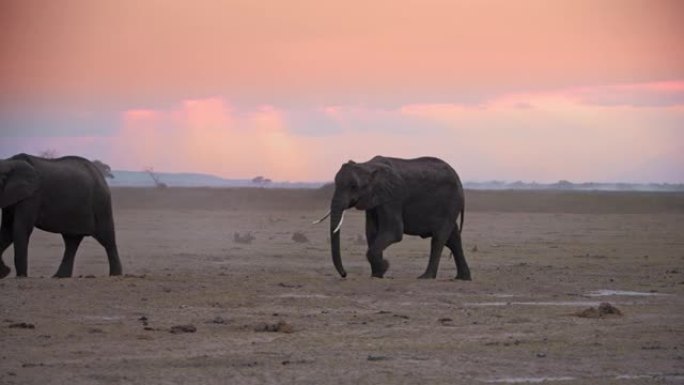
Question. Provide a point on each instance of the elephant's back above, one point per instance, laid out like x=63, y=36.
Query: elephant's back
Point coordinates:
x=426, y=168
x=75, y=170
x=74, y=195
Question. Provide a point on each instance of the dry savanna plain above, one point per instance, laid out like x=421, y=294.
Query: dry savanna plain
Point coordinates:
x=200, y=305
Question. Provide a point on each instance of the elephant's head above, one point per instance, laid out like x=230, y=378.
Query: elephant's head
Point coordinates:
x=18, y=181
x=363, y=186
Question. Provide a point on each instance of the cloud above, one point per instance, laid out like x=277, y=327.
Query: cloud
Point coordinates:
x=208, y=135
x=542, y=136
x=558, y=134
x=659, y=94
x=35, y=121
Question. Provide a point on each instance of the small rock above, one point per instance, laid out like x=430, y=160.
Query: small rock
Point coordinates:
x=31, y=365
x=289, y=286
x=377, y=358
x=541, y=355
x=22, y=325
x=288, y=362
x=183, y=329
x=219, y=320
x=280, y=327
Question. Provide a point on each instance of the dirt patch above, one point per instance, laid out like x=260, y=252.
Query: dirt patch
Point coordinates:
x=299, y=237
x=604, y=310
x=179, y=329
x=243, y=239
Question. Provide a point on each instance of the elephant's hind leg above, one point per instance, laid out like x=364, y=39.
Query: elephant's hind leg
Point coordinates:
x=108, y=241
x=455, y=245
x=71, y=243
x=436, y=246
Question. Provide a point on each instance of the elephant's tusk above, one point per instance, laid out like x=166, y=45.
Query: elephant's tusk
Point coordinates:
x=321, y=220
x=339, y=224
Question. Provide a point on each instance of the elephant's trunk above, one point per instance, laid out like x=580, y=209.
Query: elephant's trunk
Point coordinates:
x=336, y=213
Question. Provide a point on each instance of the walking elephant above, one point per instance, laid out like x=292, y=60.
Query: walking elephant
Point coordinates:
x=422, y=196
x=67, y=195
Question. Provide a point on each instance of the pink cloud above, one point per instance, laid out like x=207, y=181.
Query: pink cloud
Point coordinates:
x=207, y=135
x=657, y=94
x=543, y=136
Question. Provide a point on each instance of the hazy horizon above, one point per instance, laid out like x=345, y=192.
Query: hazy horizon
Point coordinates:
x=585, y=91
x=144, y=174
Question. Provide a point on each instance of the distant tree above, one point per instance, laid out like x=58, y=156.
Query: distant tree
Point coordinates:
x=261, y=181
x=563, y=185
x=104, y=168
x=157, y=181
x=49, y=153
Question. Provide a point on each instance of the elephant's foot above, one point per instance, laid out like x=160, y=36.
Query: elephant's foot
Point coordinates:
x=62, y=274
x=464, y=277
x=428, y=275
x=380, y=272
x=4, y=271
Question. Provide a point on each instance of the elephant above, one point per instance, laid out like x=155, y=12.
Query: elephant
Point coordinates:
x=422, y=196
x=66, y=195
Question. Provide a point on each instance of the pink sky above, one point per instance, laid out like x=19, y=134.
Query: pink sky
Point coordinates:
x=525, y=90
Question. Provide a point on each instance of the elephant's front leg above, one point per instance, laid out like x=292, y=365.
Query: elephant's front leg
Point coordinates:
x=25, y=214
x=21, y=234
x=5, y=241
x=5, y=238
x=380, y=233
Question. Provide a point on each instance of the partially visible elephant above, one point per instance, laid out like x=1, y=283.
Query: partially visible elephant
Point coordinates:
x=67, y=195
x=422, y=196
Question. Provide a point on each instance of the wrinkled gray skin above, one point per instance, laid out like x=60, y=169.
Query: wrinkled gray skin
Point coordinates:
x=66, y=195
x=422, y=196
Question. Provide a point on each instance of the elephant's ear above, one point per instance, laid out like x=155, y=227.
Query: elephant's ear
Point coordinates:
x=18, y=181
x=386, y=185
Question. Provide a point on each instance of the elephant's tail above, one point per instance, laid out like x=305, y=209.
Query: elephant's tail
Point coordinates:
x=460, y=227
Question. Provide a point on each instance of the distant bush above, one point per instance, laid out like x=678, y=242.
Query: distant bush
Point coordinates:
x=261, y=181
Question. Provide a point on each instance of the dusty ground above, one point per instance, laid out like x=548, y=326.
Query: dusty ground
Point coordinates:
x=274, y=310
